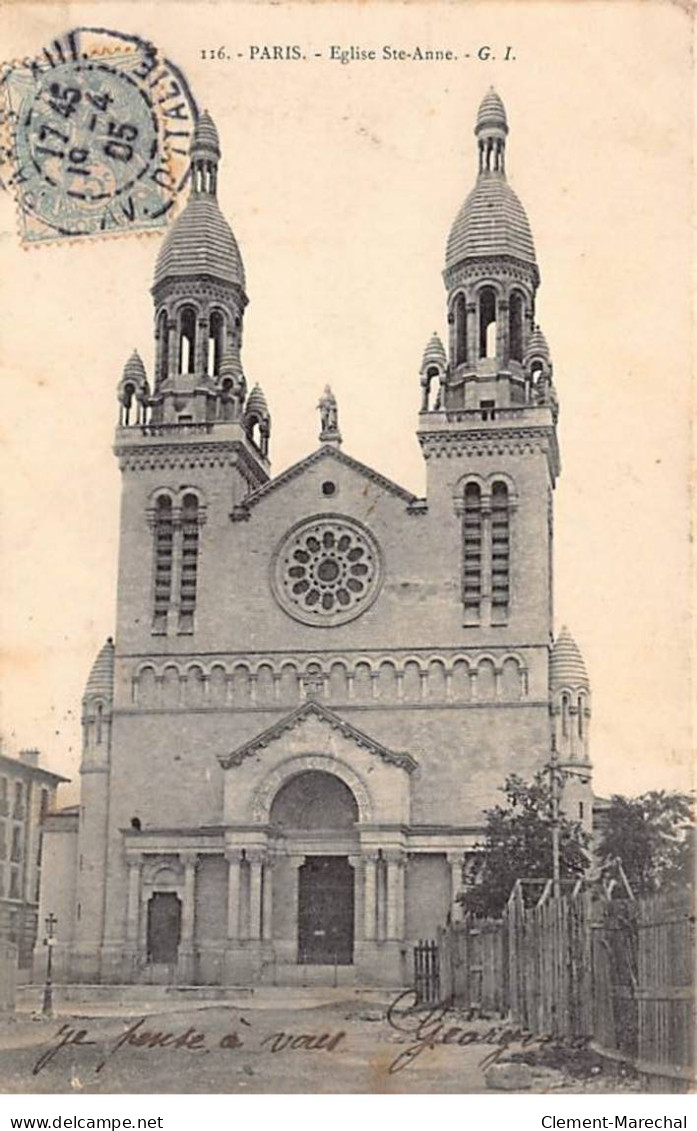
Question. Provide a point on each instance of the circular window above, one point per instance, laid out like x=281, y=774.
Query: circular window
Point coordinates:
x=327, y=570
x=328, y=488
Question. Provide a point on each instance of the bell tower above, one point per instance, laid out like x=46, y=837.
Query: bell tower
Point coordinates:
x=191, y=442
x=487, y=425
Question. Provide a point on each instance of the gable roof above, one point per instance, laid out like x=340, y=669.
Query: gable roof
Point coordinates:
x=289, y=722
x=327, y=451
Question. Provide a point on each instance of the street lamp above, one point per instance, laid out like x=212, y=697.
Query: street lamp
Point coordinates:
x=51, y=922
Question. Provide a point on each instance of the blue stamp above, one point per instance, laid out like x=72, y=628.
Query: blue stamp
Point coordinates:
x=96, y=135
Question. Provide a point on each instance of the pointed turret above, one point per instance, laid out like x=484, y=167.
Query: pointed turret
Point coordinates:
x=570, y=705
x=434, y=370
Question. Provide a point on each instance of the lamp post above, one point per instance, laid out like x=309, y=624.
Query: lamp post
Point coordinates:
x=51, y=922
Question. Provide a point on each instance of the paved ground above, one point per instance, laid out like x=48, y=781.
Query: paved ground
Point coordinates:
x=274, y=1045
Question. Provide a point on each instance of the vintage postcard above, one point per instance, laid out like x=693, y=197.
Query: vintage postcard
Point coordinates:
x=345, y=548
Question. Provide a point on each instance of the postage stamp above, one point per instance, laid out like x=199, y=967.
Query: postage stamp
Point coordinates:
x=94, y=136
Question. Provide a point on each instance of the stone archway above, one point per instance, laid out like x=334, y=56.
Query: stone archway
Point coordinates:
x=265, y=794
x=313, y=817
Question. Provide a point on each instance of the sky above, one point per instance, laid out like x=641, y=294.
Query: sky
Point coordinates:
x=341, y=182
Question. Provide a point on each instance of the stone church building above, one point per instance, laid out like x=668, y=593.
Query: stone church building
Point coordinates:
x=318, y=681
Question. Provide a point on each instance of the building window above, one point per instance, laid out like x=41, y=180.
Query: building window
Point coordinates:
x=164, y=544
x=500, y=553
x=187, y=340
x=18, y=810
x=14, y=894
x=487, y=322
x=460, y=315
x=472, y=538
x=3, y=841
x=16, y=849
x=189, y=564
x=216, y=332
x=4, y=800
x=565, y=716
x=163, y=345
x=43, y=808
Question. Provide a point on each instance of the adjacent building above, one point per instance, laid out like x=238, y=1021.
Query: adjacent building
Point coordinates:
x=318, y=680
x=27, y=796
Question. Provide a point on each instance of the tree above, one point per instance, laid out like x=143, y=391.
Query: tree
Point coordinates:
x=653, y=836
x=518, y=845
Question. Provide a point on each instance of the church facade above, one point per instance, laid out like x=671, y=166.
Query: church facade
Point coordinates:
x=318, y=681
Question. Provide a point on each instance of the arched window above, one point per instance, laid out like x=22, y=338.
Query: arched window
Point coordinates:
x=581, y=721
x=487, y=322
x=515, y=326
x=187, y=340
x=216, y=331
x=500, y=553
x=460, y=314
x=164, y=541
x=189, y=566
x=100, y=723
x=472, y=554
x=565, y=716
x=163, y=345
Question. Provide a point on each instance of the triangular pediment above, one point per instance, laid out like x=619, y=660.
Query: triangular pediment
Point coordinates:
x=326, y=453
x=333, y=721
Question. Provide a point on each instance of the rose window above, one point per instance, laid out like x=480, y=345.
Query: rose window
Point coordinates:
x=327, y=571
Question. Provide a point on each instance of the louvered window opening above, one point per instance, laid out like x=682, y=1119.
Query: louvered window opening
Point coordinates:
x=164, y=546
x=472, y=580
x=500, y=552
x=189, y=565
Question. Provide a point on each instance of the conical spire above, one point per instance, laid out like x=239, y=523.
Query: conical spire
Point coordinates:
x=491, y=114
x=537, y=346
x=101, y=678
x=134, y=370
x=434, y=354
x=256, y=403
x=567, y=668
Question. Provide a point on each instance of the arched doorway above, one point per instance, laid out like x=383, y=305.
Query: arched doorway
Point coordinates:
x=316, y=813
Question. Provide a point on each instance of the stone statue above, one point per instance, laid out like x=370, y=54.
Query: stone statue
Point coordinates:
x=329, y=415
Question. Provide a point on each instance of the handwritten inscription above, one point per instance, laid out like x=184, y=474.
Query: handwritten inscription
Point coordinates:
x=189, y=1040
x=431, y=1026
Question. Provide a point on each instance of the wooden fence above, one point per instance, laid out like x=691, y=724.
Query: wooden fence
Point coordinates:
x=549, y=962
x=474, y=967
x=619, y=972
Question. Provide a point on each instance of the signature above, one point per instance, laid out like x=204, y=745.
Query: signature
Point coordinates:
x=430, y=1026
x=189, y=1040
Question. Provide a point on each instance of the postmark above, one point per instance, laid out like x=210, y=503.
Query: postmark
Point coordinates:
x=95, y=136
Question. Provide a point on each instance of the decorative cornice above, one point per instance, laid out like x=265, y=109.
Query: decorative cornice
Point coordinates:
x=491, y=267
x=481, y=442
x=325, y=452
x=183, y=454
x=295, y=718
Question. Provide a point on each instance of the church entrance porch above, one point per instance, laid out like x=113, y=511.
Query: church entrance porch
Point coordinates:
x=325, y=911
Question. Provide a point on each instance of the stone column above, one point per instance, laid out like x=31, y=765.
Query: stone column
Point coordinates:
x=255, y=859
x=133, y=906
x=267, y=910
x=370, y=864
x=189, y=860
x=234, y=862
x=472, y=335
x=455, y=860
x=395, y=895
